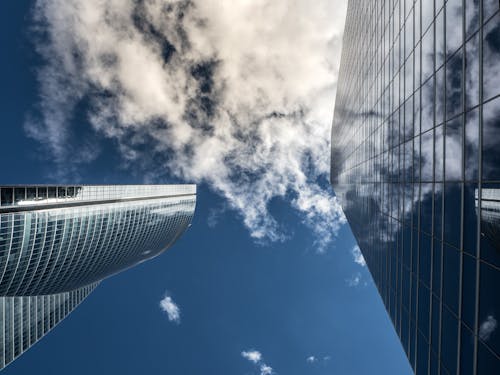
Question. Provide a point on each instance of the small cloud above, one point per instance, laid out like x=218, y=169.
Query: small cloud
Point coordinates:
x=314, y=359
x=487, y=328
x=213, y=216
x=252, y=355
x=354, y=280
x=265, y=370
x=255, y=357
x=358, y=257
x=168, y=305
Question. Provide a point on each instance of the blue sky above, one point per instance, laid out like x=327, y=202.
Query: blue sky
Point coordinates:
x=267, y=265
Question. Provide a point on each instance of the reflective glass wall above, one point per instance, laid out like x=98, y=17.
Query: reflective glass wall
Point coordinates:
x=58, y=242
x=416, y=165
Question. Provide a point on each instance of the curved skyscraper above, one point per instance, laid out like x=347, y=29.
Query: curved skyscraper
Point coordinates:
x=58, y=242
x=416, y=165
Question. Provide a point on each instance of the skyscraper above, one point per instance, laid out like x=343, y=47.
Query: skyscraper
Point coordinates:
x=58, y=242
x=416, y=166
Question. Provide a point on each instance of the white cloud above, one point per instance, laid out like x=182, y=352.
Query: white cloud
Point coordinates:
x=235, y=94
x=487, y=327
x=358, y=257
x=266, y=370
x=354, y=280
x=252, y=355
x=168, y=305
x=311, y=359
x=255, y=357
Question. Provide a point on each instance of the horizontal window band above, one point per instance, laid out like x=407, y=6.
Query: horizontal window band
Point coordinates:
x=40, y=207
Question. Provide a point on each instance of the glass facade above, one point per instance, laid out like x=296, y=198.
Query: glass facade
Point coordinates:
x=25, y=320
x=58, y=242
x=416, y=166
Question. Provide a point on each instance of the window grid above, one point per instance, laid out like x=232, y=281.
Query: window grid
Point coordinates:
x=415, y=150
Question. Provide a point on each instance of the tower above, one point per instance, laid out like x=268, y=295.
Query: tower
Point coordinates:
x=416, y=165
x=58, y=242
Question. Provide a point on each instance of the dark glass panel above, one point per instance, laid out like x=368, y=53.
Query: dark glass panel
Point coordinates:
x=449, y=340
x=412, y=344
x=451, y=277
x=426, y=208
x=422, y=355
x=469, y=290
x=487, y=362
x=404, y=331
x=466, y=351
x=19, y=194
x=406, y=289
x=424, y=256
x=436, y=267
x=61, y=192
x=414, y=251
x=30, y=193
x=51, y=190
x=424, y=309
x=438, y=209
x=413, y=307
x=6, y=196
x=470, y=219
x=42, y=192
x=452, y=213
x=434, y=369
x=436, y=309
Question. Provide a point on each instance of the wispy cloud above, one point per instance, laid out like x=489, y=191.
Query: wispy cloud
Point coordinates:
x=255, y=357
x=173, y=311
x=358, y=257
x=204, y=91
x=355, y=280
x=487, y=327
x=315, y=359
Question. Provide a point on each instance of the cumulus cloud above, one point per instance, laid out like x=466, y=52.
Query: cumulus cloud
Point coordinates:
x=252, y=355
x=255, y=357
x=168, y=305
x=487, y=327
x=311, y=359
x=235, y=94
x=265, y=370
x=358, y=257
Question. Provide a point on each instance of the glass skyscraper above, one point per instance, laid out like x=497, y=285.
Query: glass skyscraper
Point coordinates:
x=58, y=242
x=416, y=166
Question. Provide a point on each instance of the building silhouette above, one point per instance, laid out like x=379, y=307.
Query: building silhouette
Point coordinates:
x=416, y=165
x=58, y=242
